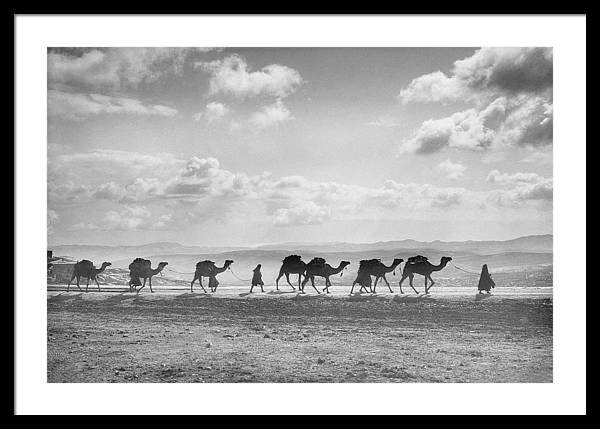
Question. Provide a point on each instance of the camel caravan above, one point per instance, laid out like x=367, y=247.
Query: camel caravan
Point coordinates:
x=141, y=272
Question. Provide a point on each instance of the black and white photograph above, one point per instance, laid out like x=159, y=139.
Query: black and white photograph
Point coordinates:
x=265, y=214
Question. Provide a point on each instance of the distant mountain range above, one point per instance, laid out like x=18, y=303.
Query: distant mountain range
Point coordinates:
x=529, y=250
x=530, y=243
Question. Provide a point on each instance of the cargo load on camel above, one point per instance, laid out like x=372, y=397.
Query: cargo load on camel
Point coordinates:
x=208, y=269
x=317, y=262
x=206, y=266
x=135, y=270
x=364, y=268
x=292, y=259
x=416, y=259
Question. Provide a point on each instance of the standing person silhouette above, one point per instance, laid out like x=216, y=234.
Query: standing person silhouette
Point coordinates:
x=257, y=279
x=485, y=280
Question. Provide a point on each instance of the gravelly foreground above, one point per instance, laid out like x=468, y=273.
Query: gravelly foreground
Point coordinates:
x=184, y=337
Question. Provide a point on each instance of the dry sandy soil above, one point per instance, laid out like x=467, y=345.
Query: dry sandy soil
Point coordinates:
x=176, y=336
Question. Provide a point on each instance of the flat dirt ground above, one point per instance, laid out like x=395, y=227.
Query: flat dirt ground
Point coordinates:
x=177, y=336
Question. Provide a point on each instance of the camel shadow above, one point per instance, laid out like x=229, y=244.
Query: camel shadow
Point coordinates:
x=412, y=298
x=124, y=296
x=365, y=296
x=193, y=295
x=66, y=297
x=245, y=294
x=281, y=292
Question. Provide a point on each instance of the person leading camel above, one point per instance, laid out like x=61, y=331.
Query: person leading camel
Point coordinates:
x=485, y=280
x=257, y=279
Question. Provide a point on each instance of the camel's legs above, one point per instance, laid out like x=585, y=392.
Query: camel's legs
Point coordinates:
x=97, y=283
x=150, y=283
x=352, y=290
x=327, y=284
x=432, y=283
x=410, y=280
x=138, y=290
x=200, y=282
x=69, y=284
x=87, y=284
x=277, y=281
x=374, y=287
x=312, y=282
x=401, y=280
x=387, y=283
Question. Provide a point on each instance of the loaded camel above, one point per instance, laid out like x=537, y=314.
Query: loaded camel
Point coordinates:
x=142, y=269
x=209, y=269
x=374, y=267
x=85, y=268
x=318, y=267
x=292, y=264
x=420, y=265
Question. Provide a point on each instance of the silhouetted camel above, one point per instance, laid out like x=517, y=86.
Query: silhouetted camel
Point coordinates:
x=423, y=267
x=374, y=267
x=141, y=268
x=318, y=267
x=85, y=268
x=292, y=264
x=210, y=270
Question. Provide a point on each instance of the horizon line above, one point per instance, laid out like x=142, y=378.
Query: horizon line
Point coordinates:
x=295, y=242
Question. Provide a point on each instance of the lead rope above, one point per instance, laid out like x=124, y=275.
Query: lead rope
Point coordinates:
x=179, y=272
x=458, y=268
x=243, y=280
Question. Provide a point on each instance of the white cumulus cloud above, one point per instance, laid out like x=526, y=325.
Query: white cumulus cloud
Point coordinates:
x=231, y=75
x=301, y=213
x=453, y=170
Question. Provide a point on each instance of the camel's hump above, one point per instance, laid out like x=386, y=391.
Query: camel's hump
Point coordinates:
x=317, y=261
x=365, y=263
x=85, y=263
x=292, y=258
x=138, y=262
x=416, y=259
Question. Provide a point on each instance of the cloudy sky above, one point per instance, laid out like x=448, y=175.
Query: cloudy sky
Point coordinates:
x=247, y=146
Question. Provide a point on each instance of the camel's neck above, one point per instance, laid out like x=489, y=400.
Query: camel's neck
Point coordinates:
x=223, y=268
x=99, y=270
x=157, y=270
x=441, y=265
x=338, y=269
x=392, y=267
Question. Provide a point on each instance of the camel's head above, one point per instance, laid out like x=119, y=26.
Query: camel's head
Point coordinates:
x=228, y=262
x=398, y=261
x=344, y=264
x=163, y=264
x=106, y=264
x=446, y=259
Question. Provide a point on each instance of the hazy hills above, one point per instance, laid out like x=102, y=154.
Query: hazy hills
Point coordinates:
x=528, y=244
x=499, y=255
